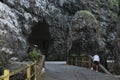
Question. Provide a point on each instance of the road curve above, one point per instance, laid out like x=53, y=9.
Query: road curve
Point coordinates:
x=61, y=71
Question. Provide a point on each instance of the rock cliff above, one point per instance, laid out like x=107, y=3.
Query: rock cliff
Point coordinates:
x=117, y=48
x=85, y=31
x=48, y=23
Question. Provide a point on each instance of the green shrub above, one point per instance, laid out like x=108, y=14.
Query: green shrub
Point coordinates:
x=34, y=55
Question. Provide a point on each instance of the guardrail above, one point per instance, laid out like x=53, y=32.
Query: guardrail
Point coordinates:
x=106, y=71
x=37, y=70
x=102, y=67
x=74, y=60
x=79, y=61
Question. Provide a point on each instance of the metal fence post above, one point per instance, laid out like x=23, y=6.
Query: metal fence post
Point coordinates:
x=28, y=71
x=6, y=74
x=35, y=68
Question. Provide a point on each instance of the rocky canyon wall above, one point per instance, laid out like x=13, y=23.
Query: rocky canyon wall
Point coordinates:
x=25, y=22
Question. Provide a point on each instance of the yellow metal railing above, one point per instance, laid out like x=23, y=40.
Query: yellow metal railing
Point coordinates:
x=37, y=70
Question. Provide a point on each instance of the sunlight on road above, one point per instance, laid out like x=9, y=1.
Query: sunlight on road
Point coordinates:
x=55, y=62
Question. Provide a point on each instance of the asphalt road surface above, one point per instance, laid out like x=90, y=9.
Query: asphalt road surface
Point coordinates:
x=61, y=71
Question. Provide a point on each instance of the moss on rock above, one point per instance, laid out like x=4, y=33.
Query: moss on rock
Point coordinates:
x=87, y=13
x=115, y=2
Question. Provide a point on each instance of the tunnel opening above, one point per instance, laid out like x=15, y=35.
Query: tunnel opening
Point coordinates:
x=40, y=36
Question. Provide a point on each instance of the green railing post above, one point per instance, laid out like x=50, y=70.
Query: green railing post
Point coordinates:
x=28, y=72
x=6, y=74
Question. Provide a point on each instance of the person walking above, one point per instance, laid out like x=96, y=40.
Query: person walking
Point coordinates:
x=96, y=61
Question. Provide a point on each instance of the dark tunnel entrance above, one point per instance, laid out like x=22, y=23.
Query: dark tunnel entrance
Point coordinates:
x=40, y=36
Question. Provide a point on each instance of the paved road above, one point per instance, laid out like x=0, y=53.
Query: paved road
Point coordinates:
x=61, y=71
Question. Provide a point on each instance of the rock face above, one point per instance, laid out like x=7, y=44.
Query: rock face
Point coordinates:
x=11, y=40
x=25, y=22
x=85, y=33
x=117, y=49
